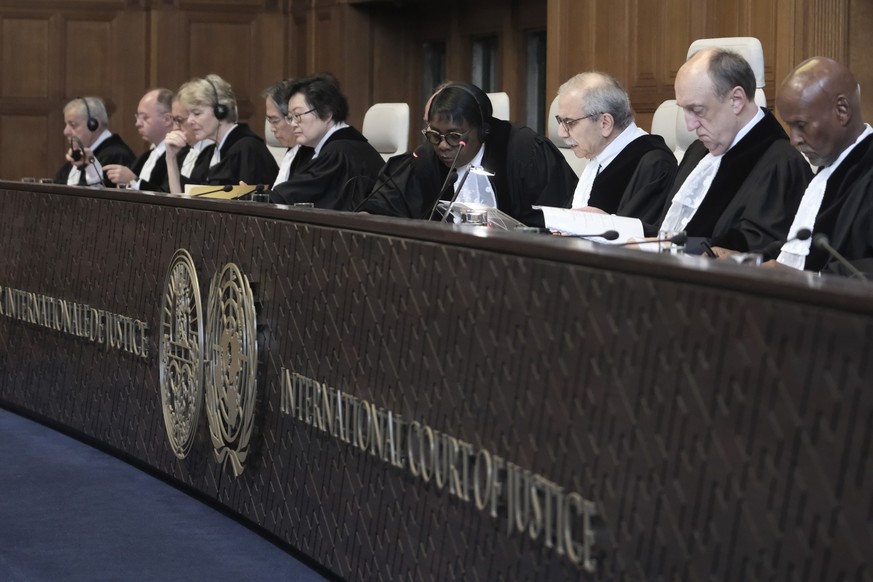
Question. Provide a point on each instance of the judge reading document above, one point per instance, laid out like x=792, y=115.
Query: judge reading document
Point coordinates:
x=820, y=101
x=526, y=168
x=740, y=183
x=238, y=154
x=276, y=102
x=194, y=154
x=91, y=144
x=629, y=171
x=336, y=165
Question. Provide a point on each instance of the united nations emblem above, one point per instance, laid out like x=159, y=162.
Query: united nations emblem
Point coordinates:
x=231, y=367
x=181, y=353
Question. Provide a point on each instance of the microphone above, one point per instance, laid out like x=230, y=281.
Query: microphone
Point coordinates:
x=225, y=188
x=457, y=193
x=820, y=241
x=772, y=250
x=608, y=235
x=461, y=145
x=389, y=179
x=679, y=238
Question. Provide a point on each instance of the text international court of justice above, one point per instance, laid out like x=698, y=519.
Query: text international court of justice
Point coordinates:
x=414, y=290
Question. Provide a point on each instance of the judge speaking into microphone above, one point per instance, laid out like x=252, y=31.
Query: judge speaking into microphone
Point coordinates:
x=461, y=133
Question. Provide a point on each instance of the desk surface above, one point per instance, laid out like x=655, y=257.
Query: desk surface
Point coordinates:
x=716, y=418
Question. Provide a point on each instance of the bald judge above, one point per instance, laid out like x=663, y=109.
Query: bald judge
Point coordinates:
x=740, y=183
x=820, y=101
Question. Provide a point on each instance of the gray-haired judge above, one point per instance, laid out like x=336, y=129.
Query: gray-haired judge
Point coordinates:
x=91, y=144
x=629, y=171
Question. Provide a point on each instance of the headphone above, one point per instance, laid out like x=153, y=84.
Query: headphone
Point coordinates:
x=485, y=128
x=218, y=109
x=92, y=123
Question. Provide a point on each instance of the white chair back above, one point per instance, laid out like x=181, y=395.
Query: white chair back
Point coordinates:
x=500, y=105
x=386, y=127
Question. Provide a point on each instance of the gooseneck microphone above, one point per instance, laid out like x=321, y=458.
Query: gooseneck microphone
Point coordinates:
x=607, y=234
x=680, y=238
x=455, y=195
x=820, y=241
x=461, y=145
x=772, y=249
x=225, y=188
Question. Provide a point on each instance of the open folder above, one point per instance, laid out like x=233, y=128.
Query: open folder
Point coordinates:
x=219, y=192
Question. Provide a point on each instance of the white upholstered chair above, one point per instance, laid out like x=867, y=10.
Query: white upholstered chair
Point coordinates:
x=500, y=105
x=578, y=164
x=664, y=122
x=386, y=127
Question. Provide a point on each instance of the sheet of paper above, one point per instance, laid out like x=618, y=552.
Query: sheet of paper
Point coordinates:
x=578, y=222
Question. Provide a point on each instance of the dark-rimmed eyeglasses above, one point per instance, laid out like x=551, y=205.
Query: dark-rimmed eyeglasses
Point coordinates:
x=569, y=123
x=297, y=117
x=275, y=121
x=453, y=138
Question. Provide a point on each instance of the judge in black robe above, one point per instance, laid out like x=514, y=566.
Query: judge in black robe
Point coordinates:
x=112, y=150
x=338, y=177
x=636, y=182
x=629, y=171
x=157, y=180
x=528, y=169
x=820, y=103
x=755, y=193
x=244, y=157
x=335, y=165
x=212, y=114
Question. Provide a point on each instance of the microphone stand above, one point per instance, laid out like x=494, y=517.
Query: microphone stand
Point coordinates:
x=461, y=145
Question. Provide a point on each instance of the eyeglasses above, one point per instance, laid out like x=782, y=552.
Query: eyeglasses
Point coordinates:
x=179, y=120
x=453, y=138
x=569, y=123
x=274, y=121
x=141, y=117
x=297, y=117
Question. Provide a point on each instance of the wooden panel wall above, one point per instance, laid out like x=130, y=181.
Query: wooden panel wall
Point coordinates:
x=55, y=50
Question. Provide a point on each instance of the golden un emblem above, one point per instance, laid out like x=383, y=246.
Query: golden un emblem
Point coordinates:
x=181, y=353
x=231, y=366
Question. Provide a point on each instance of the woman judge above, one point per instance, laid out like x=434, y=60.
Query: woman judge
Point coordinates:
x=238, y=154
x=341, y=165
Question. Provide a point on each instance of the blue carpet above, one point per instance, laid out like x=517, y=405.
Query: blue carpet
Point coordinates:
x=71, y=512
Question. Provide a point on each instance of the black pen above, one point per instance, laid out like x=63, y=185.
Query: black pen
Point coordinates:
x=707, y=249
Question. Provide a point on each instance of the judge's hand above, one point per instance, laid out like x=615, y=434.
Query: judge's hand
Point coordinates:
x=590, y=209
x=84, y=154
x=723, y=253
x=119, y=174
x=174, y=141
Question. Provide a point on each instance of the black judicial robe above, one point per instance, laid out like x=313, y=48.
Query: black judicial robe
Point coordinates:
x=158, y=181
x=338, y=178
x=113, y=150
x=244, y=157
x=846, y=214
x=201, y=166
x=755, y=193
x=636, y=182
x=528, y=170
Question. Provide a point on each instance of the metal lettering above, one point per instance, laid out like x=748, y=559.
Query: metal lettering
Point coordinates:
x=414, y=427
x=427, y=454
x=482, y=490
x=579, y=552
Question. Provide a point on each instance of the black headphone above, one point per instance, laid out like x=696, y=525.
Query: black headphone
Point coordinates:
x=92, y=123
x=218, y=109
x=485, y=128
